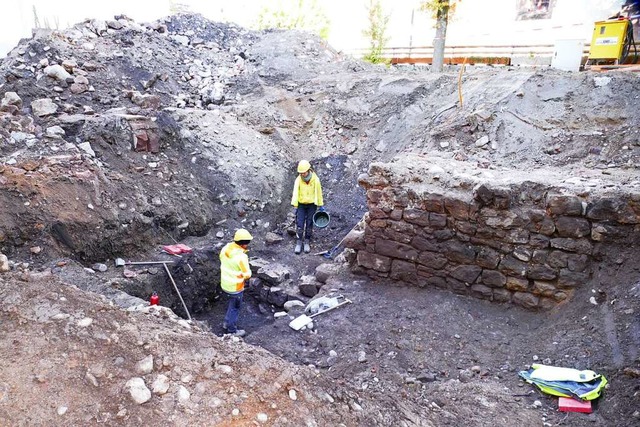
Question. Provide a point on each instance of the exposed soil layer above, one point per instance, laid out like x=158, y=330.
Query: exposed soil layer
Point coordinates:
x=183, y=130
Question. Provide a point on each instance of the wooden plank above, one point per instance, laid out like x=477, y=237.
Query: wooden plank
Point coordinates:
x=621, y=67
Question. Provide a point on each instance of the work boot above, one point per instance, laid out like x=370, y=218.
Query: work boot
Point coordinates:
x=298, y=248
x=307, y=247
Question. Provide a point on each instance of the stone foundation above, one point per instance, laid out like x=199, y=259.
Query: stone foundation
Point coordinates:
x=529, y=238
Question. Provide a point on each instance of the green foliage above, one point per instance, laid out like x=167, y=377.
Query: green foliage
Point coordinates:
x=438, y=8
x=176, y=8
x=307, y=15
x=376, y=33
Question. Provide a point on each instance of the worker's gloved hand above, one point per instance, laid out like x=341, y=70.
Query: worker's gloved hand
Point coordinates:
x=321, y=208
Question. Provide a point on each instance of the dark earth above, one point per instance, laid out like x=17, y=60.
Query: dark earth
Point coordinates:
x=232, y=111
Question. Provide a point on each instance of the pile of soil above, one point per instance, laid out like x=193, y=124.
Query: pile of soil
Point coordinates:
x=118, y=138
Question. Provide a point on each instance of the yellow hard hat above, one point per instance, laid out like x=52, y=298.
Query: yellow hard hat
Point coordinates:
x=303, y=166
x=242, y=234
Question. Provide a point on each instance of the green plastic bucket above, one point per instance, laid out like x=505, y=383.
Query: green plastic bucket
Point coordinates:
x=321, y=219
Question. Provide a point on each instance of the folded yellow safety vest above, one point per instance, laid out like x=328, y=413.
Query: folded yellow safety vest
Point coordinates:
x=565, y=382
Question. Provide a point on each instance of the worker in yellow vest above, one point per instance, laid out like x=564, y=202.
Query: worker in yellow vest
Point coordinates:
x=306, y=199
x=234, y=271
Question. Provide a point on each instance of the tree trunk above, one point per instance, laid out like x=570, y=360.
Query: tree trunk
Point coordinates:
x=438, y=42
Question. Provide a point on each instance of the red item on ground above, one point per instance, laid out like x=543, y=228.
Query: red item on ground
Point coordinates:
x=177, y=249
x=567, y=404
x=155, y=299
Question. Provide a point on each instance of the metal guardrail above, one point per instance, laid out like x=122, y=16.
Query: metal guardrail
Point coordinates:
x=456, y=53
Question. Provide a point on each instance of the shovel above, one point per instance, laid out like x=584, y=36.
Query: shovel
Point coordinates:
x=331, y=252
x=121, y=262
x=303, y=320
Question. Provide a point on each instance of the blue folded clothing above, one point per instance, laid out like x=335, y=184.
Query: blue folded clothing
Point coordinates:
x=582, y=390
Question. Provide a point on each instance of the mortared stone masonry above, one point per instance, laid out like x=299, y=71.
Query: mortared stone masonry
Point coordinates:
x=526, y=237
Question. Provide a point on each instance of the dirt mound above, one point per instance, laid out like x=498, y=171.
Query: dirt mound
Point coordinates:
x=119, y=137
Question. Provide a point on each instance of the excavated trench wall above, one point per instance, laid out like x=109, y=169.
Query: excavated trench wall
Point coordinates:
x=508, y=236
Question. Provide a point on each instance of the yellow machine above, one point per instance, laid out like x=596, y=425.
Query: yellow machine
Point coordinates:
x=611, y=41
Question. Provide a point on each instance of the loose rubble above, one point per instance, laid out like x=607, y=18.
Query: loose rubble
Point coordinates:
x=119, y=137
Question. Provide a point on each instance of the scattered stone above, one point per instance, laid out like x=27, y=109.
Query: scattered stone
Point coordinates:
x=465, y=375
x=183, y=394
x=55, y=132
x=57, y=72
x=308, y=288
x=11, y=98
x=327, y=270
x=355, y=406
x=85, y=322
x=100, y=267
x=426, y=377
x=362, y=356
x=293, y=395
x=262, y=417
x=289, y=305
x=91, y=379
x=138, y=390
x=160, y=384
x=43, y=107
x=272, y=238
x=482, y=141
x=274, y=273
x=601, y=81
x=86, y=147
x=226, y=369
x=62, y=410
x=145, y=366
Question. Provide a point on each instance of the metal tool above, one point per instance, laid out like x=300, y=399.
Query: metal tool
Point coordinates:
x=121, y=262
x=331, y=252
x=177, y=291
x=303, y=320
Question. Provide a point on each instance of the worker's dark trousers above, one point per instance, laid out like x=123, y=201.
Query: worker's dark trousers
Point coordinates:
x=304, y=220
x=233, y=311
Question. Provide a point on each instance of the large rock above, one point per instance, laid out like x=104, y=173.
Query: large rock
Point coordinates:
x=308, y=286
x=325, y=271
x=274, y=274
x=11, y=98
x=43, y=107
x=138, y=390
x=57, y=72
x=355, y=240
x=4, y=263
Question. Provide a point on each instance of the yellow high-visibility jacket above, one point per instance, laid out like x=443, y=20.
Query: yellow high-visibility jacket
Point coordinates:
x=234, y=268
x=307, y=192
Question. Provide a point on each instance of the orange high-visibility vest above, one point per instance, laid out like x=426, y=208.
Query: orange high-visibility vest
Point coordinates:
x=234, y=268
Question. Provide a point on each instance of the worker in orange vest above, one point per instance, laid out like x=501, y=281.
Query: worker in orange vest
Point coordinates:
x=234, y=272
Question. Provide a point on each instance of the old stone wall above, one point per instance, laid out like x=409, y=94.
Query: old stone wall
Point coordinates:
x=530, y=238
